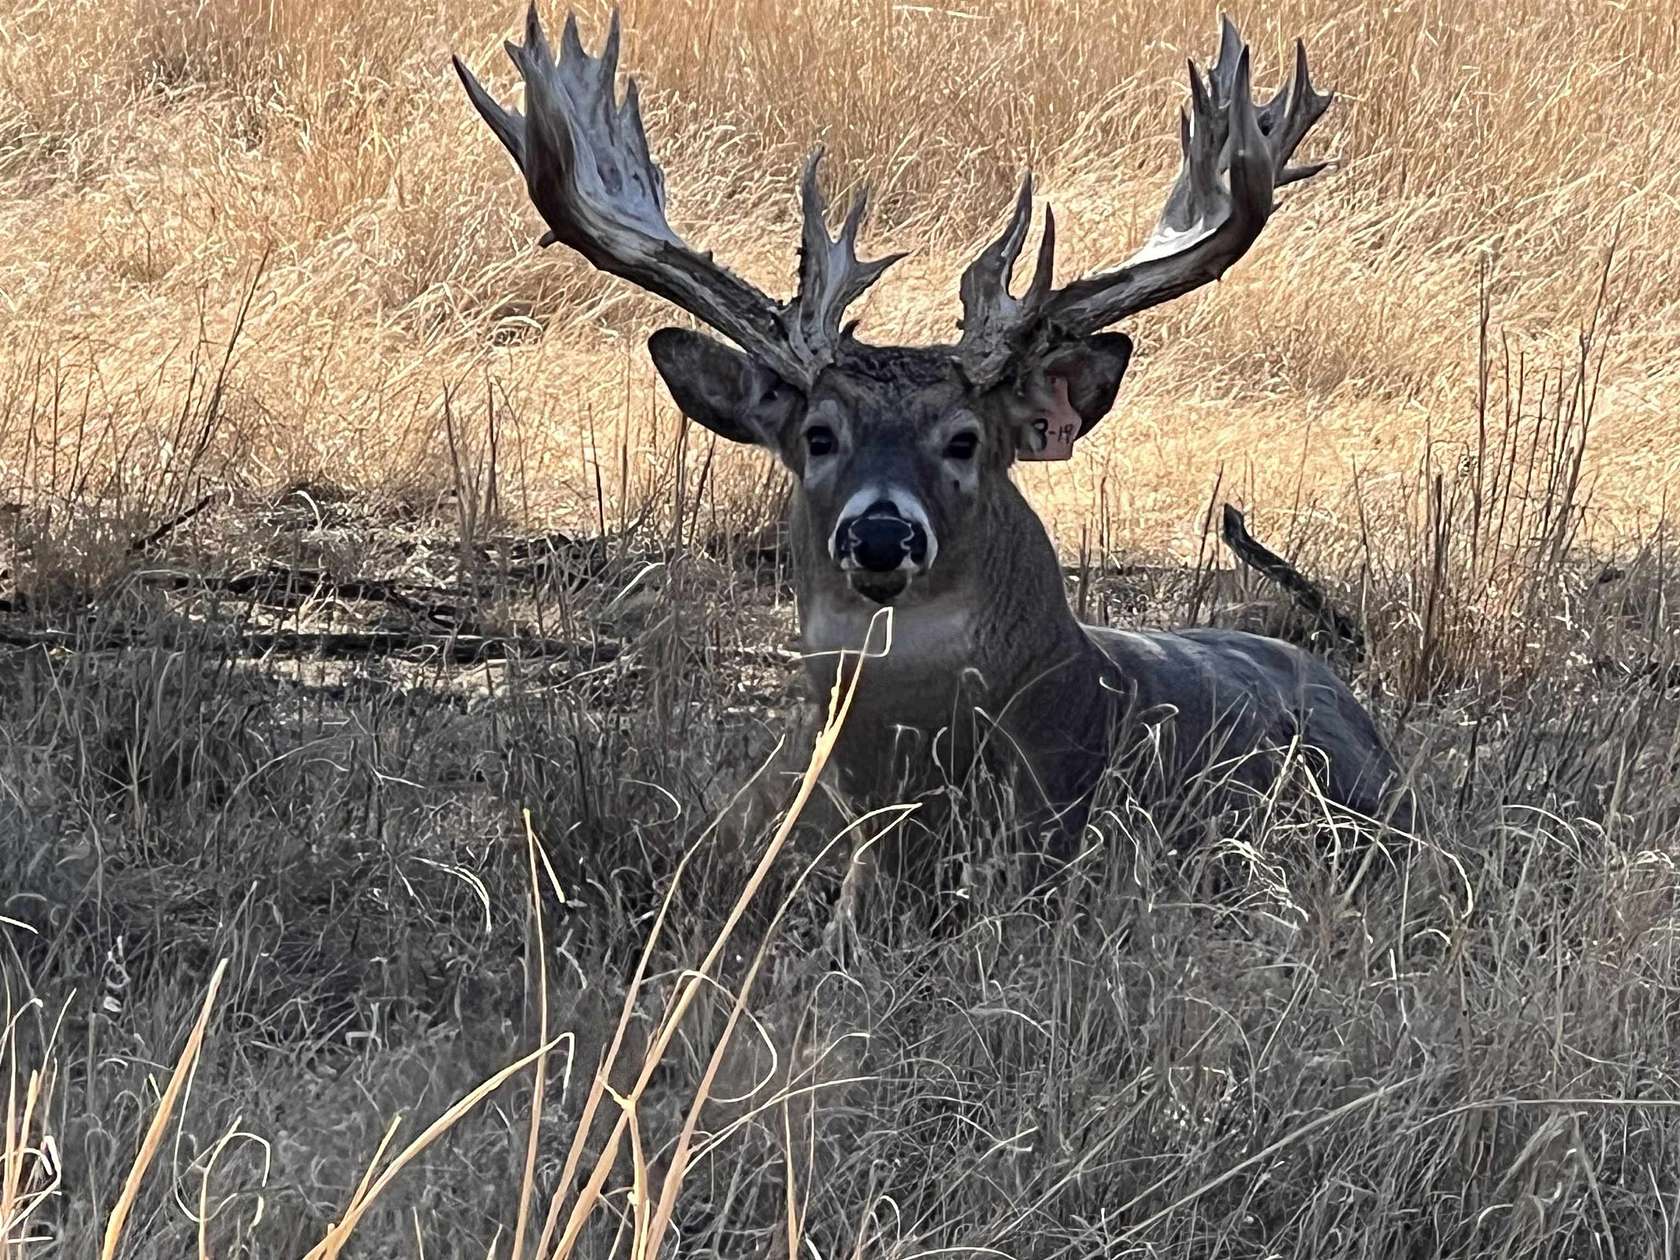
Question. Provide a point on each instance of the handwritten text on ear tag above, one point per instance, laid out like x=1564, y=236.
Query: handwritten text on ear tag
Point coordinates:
x=1056, y=430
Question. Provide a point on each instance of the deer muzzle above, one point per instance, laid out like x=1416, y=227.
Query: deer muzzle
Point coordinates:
x=881, y=543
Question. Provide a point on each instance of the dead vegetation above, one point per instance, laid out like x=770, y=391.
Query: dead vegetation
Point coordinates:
x=342, y=540
x=150, y=169
x=1203, y=1048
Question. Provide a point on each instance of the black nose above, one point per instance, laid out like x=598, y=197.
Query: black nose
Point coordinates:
x=880, y=539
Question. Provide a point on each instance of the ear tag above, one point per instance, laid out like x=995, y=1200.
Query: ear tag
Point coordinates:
x=1057, y=429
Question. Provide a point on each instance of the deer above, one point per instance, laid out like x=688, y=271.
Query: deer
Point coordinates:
x=903, y=507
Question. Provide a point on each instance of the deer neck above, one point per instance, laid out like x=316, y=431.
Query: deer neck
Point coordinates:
x=1027, y=631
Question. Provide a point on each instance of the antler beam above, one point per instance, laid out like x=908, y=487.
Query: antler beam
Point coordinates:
x=1236, y=155
x=587, y=166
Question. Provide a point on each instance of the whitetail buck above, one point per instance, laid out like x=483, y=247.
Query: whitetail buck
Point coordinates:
x=901, y=457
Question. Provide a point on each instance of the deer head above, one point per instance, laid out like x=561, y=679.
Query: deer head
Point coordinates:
x=895, y=449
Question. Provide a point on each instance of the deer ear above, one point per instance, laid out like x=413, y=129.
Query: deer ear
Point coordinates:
x=1092, y=369
x=720, y=387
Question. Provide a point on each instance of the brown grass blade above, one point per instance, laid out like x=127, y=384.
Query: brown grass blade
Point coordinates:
x=597, y=1088
x=160, y=1119
x=527, y=1181
x=839, y=704
x=330, y=1246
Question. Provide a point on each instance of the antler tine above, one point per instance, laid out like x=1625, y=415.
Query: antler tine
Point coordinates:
x=1289, y=115
x=1235, y=156
x=590, y=174
x=1222, y=75
x=831, y=276
x=508, y=124
x=1202, y=133
x=992, y=316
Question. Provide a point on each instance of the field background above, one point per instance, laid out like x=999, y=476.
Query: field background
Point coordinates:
x=155, y=153
x=284, y=380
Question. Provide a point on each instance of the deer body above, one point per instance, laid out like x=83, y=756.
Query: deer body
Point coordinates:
x=1063, y=700
x=901, y=455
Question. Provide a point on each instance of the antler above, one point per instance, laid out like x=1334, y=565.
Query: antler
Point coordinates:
x=1236, y=155
x=587, y=168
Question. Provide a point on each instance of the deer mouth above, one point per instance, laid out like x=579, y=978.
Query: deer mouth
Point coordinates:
x=882, y=588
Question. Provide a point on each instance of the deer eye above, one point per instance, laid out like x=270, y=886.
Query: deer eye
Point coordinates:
x=962, y=446
x=820, y=440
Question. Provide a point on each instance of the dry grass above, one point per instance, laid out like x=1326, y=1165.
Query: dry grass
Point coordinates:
x=1474, y=1063
x=247, y=249
x=155, y=151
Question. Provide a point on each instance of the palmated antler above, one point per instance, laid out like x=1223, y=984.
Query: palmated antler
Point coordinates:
x=1236, y=155
x=585, y=159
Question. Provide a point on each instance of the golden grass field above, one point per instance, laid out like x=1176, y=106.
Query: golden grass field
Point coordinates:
x=157, y=152
x=353, y=566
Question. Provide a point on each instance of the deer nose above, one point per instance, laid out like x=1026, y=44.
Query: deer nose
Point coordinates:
x=880, y=540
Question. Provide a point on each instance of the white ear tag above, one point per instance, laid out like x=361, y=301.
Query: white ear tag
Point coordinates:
x=1057, y=428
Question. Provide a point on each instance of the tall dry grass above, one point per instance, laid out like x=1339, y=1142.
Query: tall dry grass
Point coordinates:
x=244, y=245
x=155, y=152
